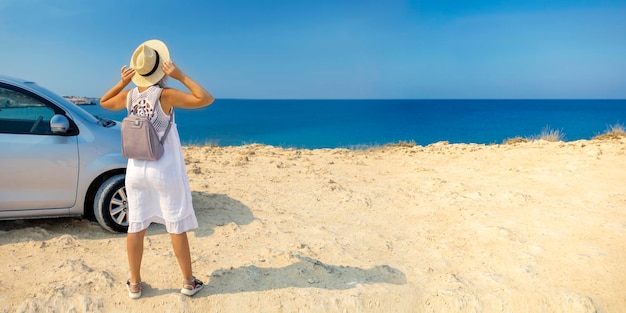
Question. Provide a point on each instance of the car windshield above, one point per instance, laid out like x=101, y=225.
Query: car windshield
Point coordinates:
x=72, y=107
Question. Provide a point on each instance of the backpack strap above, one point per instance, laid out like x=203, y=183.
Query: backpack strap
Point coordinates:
x=169, y=125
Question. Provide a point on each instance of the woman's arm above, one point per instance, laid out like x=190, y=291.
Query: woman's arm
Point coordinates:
x=115, y=98
x=171, y=97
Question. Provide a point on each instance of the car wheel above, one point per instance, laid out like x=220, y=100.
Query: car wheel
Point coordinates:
x=110, y=205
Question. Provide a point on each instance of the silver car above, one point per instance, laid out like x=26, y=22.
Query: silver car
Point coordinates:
x=58, y=160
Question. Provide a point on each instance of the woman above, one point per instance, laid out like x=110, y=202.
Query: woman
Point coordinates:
x=158, y=191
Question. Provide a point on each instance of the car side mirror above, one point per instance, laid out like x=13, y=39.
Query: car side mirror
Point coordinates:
x=59, y=124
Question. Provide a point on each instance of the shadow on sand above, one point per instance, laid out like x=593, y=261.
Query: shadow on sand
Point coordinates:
x=215, y=210
x=212, y=210
x=305, y=273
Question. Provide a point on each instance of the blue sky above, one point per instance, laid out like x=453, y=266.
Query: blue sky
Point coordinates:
x=329, y=49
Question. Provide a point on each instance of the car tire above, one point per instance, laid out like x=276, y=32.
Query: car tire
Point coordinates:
x=110, y=206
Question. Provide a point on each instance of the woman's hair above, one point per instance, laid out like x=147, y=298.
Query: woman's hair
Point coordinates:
x=163, y=82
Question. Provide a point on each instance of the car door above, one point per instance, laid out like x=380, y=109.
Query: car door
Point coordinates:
x=38, y=169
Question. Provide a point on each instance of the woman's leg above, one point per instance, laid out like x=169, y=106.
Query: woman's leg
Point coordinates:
x=134, y=249
x=183, y=255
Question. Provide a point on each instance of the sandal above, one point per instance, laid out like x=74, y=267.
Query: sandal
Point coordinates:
x=134, y=289
x=192, y=287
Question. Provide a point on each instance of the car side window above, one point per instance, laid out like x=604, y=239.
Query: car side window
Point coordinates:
x=23, y=114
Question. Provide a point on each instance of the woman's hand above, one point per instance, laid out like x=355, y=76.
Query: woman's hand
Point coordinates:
x=172, y=71
x=127, y=74
x=198, y=97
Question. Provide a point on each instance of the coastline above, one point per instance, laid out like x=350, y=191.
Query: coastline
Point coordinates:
x=344, y=123
x=530, y=226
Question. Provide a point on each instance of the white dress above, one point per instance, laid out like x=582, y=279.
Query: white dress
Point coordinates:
x=158, y=191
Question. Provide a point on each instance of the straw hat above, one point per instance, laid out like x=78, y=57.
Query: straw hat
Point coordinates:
x=147, y=60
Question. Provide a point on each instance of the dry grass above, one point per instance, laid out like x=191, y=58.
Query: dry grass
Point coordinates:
x=407, y=144
x=512, y=141
x=401, y=143
x=552, y=135
x=547, y=134
x=615, y=131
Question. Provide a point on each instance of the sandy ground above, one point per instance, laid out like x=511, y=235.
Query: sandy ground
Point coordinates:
x=529, y=227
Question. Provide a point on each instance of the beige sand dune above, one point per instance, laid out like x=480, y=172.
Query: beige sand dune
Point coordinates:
x=528, y=227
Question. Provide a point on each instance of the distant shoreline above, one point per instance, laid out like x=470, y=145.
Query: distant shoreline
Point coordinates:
x=82, y=100
x=609, y=135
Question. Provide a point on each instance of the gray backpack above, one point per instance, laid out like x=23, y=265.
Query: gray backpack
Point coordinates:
x=140, y=140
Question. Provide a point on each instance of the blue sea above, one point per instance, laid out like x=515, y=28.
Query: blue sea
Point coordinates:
x=357, y=123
